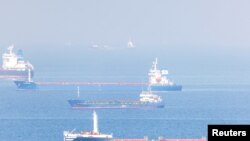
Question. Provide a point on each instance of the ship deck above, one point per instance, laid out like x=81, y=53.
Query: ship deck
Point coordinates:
x=91, y=83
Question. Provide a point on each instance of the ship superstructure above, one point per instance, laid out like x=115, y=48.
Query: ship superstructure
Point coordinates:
x=94, y=135
x=147, y=100
x=14, y=65
x=158, y=80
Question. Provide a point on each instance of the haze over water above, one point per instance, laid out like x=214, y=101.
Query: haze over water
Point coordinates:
x=203, y=44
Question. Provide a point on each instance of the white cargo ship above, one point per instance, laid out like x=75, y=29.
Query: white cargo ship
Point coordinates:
x=14, y=66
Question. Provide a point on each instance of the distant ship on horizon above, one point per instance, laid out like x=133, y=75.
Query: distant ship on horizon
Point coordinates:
x=14, y=66
x=130, y=44
x=94, y=135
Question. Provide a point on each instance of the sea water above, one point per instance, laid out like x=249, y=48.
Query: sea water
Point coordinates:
x=209, y=98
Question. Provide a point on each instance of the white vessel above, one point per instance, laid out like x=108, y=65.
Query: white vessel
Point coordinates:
x=130, y=44
x=158, y=80
x=14, y=65
x=94, y=135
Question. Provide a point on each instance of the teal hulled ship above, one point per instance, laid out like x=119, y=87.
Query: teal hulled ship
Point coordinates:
x=28, y=84
x=157, y=81
x=147, y=100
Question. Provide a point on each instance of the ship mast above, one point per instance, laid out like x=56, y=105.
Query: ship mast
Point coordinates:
x=78, y=92
x=95, y=123
x=155, y=64
x=10, y=48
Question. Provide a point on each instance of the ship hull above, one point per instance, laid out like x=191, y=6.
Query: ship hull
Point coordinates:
x=80, y=104
x=166, y=87
x=25, y=85
x=15, y=74
x=106, y=88
x=89, y=139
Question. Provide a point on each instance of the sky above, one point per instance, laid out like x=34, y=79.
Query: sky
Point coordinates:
x=180, y=32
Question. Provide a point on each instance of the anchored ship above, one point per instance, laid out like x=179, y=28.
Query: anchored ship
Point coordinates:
x=158, y=80
x=94, y=135
x=147, y=100
x=130, y=43
x=26, y=84
x=14, y=66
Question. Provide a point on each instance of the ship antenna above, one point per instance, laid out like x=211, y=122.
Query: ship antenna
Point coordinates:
x=78, y=91
x=155, y=64
x=95, y=122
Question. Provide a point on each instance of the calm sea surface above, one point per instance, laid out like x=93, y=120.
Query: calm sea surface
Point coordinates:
x=44, y=114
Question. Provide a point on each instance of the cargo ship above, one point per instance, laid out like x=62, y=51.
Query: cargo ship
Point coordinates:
x=94, y=135
x=147, y=100
x=14, y=66
x=28, y=84
x=158, y=80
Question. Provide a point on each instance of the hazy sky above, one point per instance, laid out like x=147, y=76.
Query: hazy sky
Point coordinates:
x=211, y=28
x=222, y=22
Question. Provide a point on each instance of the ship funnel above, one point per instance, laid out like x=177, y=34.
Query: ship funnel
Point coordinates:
x=95, y=123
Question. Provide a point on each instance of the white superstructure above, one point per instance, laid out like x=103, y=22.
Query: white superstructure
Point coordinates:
x=12, y=61
x=158, y=77
x=70, y=135
x=148, y=96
